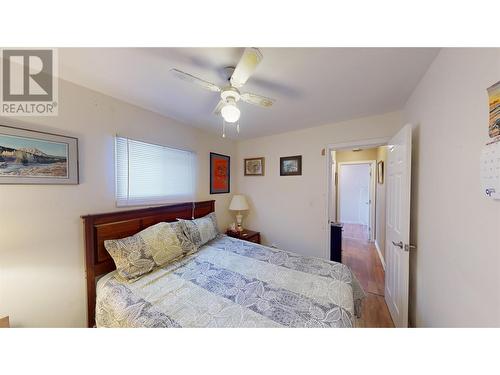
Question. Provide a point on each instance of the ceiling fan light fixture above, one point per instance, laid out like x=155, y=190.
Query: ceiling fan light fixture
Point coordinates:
x=230, y=112
x=230, y=94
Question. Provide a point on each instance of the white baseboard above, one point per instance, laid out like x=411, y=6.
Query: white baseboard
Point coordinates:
x=380, y=254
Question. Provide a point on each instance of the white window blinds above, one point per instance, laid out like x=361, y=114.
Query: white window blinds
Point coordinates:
x=151, y=174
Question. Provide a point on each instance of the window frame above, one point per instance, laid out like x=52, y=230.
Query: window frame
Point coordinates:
x=152, y=200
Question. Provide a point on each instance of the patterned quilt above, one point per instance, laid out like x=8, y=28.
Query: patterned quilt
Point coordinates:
x=233, y=283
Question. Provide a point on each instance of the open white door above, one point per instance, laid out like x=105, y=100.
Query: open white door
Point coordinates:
x=398, y=226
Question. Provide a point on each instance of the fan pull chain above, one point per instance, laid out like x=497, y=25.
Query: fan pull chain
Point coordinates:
x=223, y=129
x=238, y=127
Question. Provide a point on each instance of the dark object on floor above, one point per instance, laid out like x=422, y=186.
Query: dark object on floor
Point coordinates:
x=336, y=242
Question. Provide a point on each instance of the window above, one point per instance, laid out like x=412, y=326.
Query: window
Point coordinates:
x=151, y=174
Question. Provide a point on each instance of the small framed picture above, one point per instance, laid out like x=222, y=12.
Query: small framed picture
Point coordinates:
x=220, y=168
x=254, y=167
x=291, y=166
x=33, y=157
x=380, y=172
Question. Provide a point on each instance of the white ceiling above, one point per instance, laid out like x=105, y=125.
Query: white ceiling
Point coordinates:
x=312, y=86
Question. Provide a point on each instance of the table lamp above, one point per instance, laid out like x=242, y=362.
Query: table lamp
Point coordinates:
x=239, y=203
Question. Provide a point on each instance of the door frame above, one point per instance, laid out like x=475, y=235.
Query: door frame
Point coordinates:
x=365, y=143
x=372, y=195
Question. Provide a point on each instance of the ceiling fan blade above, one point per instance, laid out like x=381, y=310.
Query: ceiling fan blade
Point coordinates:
x=219, y=107
x=257, y=100
x=247, y=65
x=190, y=78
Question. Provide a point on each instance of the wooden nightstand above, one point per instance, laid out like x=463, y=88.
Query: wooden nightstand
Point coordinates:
x=246, y=234
x=4, y=322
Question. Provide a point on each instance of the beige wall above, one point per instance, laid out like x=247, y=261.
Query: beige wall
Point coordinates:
x=42, y=268
x=349, y=155
x=454, y=276
x=380, y=205
x=290, y=211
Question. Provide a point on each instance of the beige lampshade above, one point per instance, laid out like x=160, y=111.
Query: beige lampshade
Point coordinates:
x=238, y=203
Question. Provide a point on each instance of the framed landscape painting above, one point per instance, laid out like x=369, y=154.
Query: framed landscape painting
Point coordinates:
x=220, y=166
x=32, y=157
x=291, y=166
x=254, y=167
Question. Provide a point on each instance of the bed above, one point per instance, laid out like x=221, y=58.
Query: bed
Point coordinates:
x=227, y=283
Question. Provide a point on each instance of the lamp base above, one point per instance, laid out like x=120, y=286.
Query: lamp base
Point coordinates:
x=239, y=220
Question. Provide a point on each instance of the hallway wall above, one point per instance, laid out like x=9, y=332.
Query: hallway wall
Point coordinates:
x=362, y=155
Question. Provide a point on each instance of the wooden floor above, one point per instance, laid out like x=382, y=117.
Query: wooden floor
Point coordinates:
x=356, y=231
x=361, y=256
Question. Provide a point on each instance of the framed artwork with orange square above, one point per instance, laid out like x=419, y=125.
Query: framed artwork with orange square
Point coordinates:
x=220, y=167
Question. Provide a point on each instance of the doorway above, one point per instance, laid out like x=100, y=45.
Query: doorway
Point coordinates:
x=374, y=272
x=357, y=201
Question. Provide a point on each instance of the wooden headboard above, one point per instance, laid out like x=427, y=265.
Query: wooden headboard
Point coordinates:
x=114, y=225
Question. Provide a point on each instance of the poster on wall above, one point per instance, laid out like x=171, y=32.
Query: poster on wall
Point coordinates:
x=32, y=157
x=494, y=100
x=219, y=173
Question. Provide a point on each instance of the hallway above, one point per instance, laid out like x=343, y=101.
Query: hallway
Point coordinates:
x=356, y=231
x=361, y=256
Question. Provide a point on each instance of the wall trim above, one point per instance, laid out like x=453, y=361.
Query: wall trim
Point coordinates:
x=380, y=255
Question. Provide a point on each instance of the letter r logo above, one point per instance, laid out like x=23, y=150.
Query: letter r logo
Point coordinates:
x=27, y=75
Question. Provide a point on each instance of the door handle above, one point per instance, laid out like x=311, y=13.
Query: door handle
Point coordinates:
x=398, y=244
x=406, y=247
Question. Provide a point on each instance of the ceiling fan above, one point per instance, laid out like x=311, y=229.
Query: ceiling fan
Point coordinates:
x=231, y=94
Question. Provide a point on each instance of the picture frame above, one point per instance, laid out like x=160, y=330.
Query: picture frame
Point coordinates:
x=254, y=166
x=291, y=165
x=37, y=158
x=380, y=172
x=494, y=110
x=220, y=173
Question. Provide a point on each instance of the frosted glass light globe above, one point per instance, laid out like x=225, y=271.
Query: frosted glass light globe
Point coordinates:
x=230, y=112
